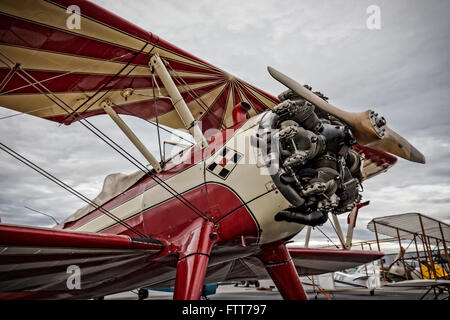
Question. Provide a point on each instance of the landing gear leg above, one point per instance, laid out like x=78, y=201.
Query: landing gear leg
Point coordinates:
x=281, y=269
x=192, y=265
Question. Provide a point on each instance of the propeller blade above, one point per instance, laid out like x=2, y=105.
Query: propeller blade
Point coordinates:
x=394, y=143
x=310, y=96
x=367, y=128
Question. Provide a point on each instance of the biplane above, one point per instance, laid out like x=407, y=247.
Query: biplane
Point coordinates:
x=260, y=167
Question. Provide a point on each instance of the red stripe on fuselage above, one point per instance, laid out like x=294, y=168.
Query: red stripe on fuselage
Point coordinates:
x=170, y=170
x=169, y=220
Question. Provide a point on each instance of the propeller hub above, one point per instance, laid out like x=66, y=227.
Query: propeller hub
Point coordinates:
x=378, y=123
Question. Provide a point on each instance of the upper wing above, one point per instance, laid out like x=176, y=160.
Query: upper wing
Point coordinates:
x=51, y=69
x=375, y=161
x=63, y=74
x=37, y=262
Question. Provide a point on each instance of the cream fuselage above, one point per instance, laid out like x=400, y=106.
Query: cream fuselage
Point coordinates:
x=201, y=183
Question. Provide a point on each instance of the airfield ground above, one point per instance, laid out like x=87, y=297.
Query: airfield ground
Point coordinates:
x=229, y=292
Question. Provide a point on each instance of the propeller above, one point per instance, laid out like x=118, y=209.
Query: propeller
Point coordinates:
x=368, y=127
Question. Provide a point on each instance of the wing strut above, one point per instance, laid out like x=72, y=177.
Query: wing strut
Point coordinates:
x=178, y=102
x=351, y=221
x=107, y=106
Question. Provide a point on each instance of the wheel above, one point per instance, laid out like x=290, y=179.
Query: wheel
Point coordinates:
x=372, y=292
x=256, y=284
x=142, y=294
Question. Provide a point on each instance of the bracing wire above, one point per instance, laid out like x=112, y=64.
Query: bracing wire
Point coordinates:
x=92, y=65
x=107, y=83
x=112, y=144
x=68, y=188
x=343, y=244
x=328, y=237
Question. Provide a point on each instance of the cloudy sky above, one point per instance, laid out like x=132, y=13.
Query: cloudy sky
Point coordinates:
x=402, y=71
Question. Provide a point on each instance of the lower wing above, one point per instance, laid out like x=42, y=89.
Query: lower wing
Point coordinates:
x=38, y=263
x=41, y=263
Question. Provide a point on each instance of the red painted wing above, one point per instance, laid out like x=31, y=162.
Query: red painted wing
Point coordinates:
x=375, y=161
x=63, y=74
x=34, y=262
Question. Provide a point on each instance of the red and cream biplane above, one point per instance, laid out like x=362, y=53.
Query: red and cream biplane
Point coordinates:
x=261, y=167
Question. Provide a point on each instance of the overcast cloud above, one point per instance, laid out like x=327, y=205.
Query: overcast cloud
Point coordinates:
x=401, y=71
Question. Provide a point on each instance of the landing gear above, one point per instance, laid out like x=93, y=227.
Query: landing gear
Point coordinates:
x=142, y=294
x=281, y=269
x=192, y=264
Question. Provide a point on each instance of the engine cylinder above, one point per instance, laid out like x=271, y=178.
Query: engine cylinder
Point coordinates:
x=317, y=171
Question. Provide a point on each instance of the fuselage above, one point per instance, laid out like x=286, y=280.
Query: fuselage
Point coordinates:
x=227, y=183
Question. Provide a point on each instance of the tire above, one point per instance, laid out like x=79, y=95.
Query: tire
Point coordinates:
x=142, y=294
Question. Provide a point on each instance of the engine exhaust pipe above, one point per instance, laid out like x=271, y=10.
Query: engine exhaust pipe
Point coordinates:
x=313, y=219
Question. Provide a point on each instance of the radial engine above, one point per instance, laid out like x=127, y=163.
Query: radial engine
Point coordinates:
x=310, y=158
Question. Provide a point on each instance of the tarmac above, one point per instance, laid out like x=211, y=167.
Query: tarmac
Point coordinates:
x=230, y=292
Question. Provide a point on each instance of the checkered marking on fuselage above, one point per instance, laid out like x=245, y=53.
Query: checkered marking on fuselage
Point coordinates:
x=224, y=162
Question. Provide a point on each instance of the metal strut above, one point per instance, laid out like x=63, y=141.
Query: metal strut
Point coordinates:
x=178, y=102
x=279, y=265
x=107, y=106
x=193, y=260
